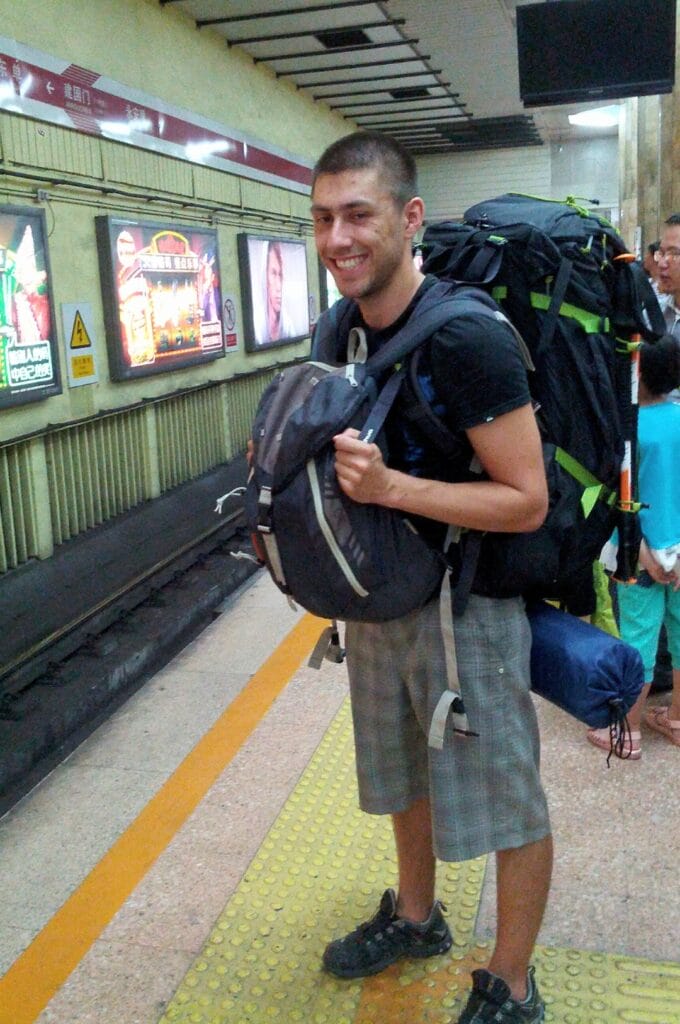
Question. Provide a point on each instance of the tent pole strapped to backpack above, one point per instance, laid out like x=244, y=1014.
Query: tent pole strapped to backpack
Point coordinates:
x=626, y=567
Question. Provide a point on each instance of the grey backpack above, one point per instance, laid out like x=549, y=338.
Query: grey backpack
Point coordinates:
x=333, y=556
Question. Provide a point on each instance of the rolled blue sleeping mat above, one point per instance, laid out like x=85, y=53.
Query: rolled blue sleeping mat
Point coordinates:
x=586, y=672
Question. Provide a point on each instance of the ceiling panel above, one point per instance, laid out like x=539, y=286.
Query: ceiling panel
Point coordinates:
x=440, y=75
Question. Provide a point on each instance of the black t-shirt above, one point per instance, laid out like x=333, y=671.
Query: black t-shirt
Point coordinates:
x=471, y=371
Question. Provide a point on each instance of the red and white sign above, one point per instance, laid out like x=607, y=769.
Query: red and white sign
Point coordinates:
x=40, y=86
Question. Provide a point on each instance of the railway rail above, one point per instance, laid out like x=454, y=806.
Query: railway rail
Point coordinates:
x=57, y=691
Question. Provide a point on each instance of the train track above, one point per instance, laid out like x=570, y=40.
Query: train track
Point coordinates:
x=55, y=693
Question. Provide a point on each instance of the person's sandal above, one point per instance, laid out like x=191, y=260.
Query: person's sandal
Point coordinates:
x=630, y=750
x=657, y=719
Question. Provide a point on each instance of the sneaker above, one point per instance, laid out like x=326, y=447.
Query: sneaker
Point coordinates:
x=377, y=943
x=490, y=1002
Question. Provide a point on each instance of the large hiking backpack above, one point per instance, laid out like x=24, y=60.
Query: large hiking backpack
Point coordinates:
x=565, y=280
x=335, y=557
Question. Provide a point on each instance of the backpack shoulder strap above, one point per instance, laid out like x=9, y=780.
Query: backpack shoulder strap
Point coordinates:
x=416, y=406
x=329, y=339
x=439, y=304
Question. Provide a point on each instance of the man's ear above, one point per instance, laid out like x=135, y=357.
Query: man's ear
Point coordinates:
x=414, y=214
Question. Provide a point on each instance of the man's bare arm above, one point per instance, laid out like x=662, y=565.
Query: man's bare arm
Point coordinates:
x=513, y=500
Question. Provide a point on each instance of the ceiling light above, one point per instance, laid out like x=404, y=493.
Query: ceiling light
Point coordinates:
x=600, y=117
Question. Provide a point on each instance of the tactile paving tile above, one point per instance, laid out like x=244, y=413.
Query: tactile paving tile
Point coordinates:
x=320, y=871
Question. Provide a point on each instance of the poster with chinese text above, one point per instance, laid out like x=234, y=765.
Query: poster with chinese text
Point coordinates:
x=29, y=367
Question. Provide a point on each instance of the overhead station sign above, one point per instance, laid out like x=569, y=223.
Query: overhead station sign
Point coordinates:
x=41, y=86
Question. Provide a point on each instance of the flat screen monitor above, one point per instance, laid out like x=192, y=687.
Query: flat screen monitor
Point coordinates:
x=573, y=51
x=161, y=294
x=274, y=290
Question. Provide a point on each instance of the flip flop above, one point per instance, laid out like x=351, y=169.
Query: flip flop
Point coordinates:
x=601, y=739
x=657, y=718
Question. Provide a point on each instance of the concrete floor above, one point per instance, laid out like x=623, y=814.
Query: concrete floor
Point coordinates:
x=617, y=832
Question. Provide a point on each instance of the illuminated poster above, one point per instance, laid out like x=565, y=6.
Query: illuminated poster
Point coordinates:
x=29, y=367
x=275, y=290
x=161, y=292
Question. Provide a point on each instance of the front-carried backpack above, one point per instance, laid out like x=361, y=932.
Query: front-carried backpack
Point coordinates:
x=581, y=303
x=333, y=556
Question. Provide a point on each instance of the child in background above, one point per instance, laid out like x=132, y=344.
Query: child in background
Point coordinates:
x=654, y=599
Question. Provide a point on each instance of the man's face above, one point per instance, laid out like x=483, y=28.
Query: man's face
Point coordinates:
x=359, y=231
x=669, y=265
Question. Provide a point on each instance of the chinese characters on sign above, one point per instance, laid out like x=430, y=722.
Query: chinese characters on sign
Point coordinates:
x=49, y=89
x=161, y=295
x=81, y=363
x=28, y=358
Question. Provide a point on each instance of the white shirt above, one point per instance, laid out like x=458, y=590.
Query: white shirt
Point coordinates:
x=671, y=314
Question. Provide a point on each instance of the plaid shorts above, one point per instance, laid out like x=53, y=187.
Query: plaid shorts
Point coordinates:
x=485, y=791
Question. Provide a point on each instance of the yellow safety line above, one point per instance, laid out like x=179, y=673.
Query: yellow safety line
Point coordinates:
x=56, y=951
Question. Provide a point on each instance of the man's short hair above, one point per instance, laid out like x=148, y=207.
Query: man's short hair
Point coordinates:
x=673, y=220
x=362, y=150
x=653, y=247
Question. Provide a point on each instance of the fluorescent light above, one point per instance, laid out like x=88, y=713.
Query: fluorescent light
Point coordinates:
x=600, y=117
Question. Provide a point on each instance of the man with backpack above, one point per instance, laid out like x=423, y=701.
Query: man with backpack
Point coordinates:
x=481, y=791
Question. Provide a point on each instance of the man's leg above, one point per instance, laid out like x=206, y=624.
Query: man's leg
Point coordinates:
x=412, y=925
x=522, y=886
x=415, y=859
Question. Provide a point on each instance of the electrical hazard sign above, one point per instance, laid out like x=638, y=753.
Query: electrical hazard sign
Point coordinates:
x=78, y=334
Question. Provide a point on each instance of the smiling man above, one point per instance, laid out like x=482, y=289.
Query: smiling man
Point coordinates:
x=667, y=259
x=479, y=793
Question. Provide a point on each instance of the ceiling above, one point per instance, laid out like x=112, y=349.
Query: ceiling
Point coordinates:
x=440, y=75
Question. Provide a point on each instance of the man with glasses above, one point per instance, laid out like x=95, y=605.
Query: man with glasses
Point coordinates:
x=667, y=259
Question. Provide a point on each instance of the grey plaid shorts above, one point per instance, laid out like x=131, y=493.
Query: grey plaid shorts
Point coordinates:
x=485, y=791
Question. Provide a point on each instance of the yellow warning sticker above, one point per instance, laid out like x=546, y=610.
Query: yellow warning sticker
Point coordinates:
x=82, y=366
x=79, y=336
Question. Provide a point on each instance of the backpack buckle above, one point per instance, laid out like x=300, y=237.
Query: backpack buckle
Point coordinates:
x=264, y=510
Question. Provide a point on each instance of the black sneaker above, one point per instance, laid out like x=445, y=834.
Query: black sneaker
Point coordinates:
x=377, y=943
x=490, y=1002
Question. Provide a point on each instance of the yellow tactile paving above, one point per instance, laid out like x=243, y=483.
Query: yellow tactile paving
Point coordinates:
x=46, y=963
x=319, y=872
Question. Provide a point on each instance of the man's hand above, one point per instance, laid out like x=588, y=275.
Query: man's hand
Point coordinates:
x=361, y=472
x=656, y=571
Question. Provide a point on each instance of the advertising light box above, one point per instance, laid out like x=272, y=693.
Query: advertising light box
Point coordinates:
x=274, y=290
x=29, y=367
x=161, y=294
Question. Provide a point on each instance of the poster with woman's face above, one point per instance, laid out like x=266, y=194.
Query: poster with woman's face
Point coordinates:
x=276, y=305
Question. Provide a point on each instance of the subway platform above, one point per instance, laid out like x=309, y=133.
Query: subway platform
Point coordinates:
x=191, y=858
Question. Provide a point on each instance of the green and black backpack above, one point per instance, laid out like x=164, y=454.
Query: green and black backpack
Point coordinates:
x=580, y=301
